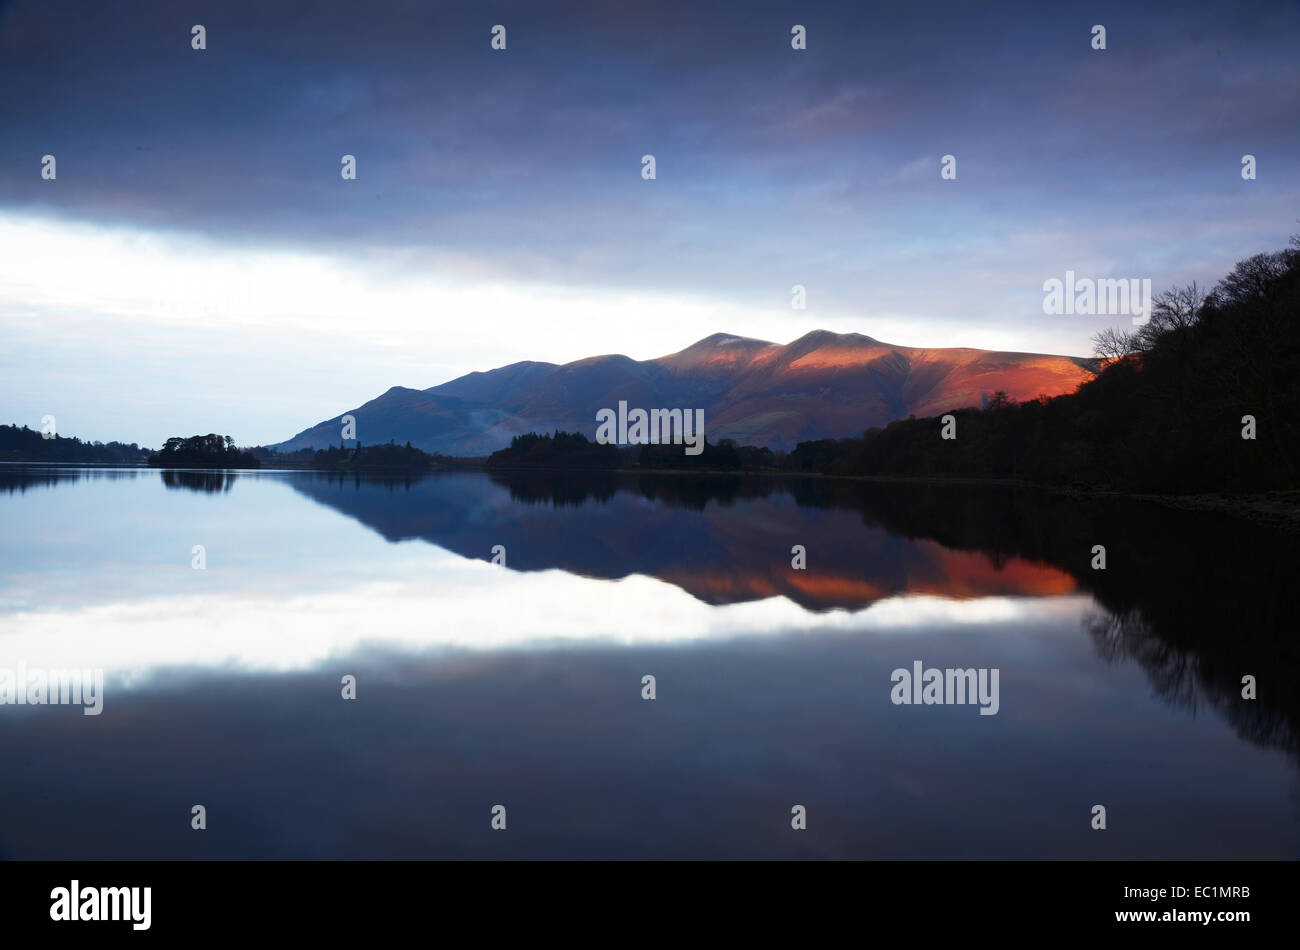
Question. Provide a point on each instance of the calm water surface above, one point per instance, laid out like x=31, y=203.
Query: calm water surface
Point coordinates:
x=480, y=684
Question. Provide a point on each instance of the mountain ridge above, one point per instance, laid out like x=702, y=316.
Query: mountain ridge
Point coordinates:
x=821, y=385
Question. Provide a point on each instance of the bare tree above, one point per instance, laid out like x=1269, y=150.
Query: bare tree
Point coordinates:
x=1114, y=344
x=1172, y=312
x=1252, y=278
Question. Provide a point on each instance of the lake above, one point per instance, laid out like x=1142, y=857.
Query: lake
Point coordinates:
x=226, y=609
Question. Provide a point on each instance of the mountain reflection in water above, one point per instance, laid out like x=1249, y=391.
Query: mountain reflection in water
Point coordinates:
x=479, y=684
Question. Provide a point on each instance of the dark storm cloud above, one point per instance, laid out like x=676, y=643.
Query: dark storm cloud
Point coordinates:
x=767, y=158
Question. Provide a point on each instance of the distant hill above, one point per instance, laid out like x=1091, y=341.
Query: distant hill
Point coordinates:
x=822, y=385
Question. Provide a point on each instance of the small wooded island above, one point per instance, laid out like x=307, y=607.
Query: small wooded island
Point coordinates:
x=203, y=451
x=383, y=457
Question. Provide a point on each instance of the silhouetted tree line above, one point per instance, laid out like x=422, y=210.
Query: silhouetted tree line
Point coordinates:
x=568, y=450
x=384, y=457
x=722, y=456
x=573, y=450
x=203, y=451
x=1165, y=414
x=28, y=445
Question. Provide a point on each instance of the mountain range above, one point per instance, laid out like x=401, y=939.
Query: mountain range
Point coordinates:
x=822, y=385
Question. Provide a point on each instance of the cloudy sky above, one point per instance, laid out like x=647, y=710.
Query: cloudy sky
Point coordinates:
x=199, y=264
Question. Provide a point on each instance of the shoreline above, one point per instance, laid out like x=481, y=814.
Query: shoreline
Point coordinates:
x=1277, y=509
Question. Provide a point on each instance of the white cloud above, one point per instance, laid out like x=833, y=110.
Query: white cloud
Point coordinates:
x=278, y=631
x=262, y=342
